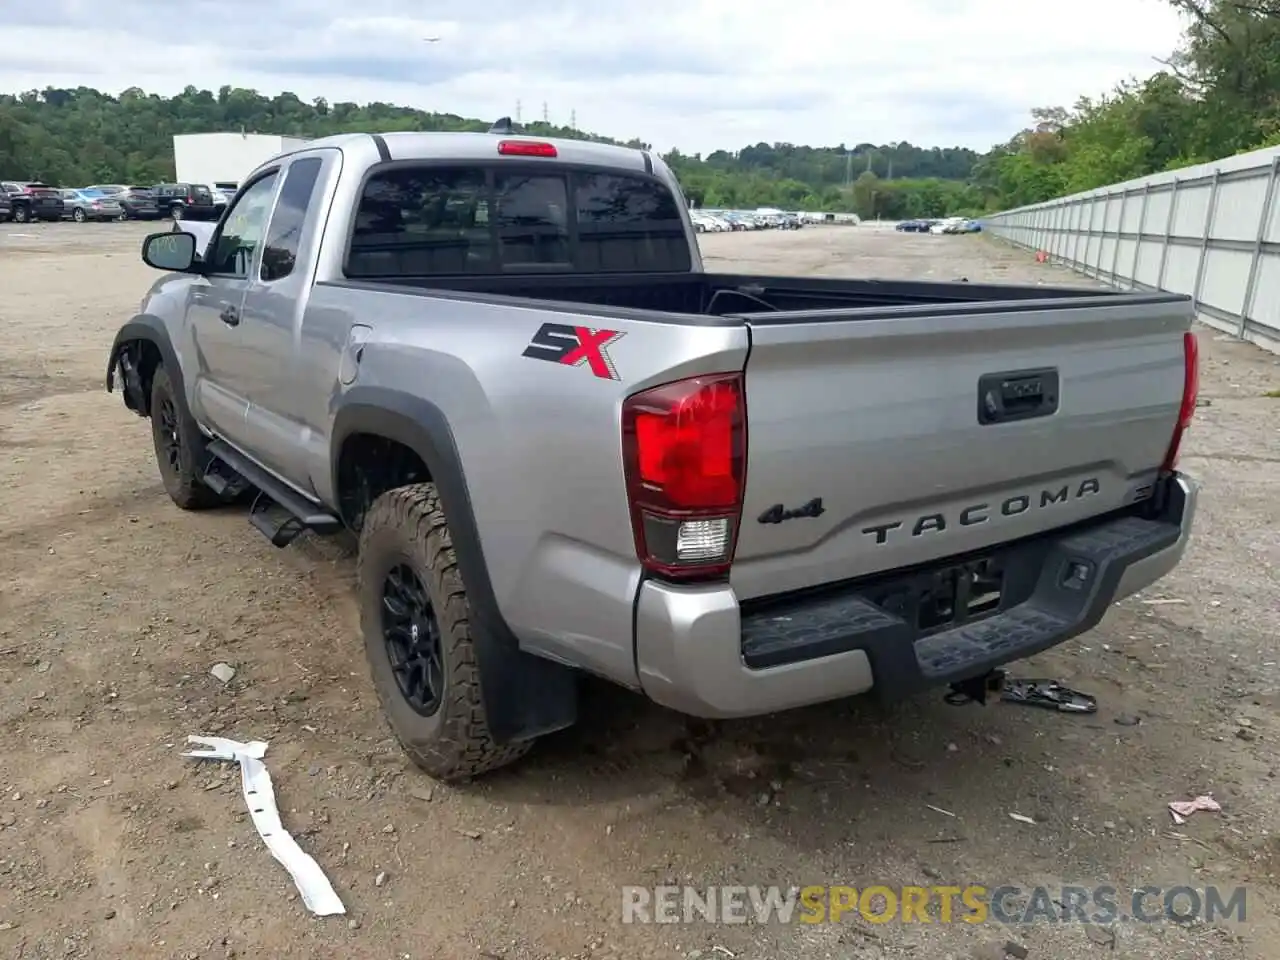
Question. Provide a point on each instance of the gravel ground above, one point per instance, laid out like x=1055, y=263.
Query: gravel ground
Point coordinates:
x=115, y=605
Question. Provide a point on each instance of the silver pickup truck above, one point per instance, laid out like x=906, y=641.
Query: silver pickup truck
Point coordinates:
x=565, y=447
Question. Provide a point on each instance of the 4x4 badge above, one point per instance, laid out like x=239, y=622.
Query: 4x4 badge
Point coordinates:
x=574, y=346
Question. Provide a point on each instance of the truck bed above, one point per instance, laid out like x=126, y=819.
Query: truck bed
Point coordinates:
x=726, y=294
x=928, y=419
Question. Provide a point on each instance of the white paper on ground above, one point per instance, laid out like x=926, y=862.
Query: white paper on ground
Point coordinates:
x=317, y=893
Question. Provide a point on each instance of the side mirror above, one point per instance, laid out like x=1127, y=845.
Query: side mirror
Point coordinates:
x=170, y=251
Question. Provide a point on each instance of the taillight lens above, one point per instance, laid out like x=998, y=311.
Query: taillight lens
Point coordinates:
x=1190, y=397
x=685, y=451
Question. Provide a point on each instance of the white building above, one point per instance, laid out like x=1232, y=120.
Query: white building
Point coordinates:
x=225, y=158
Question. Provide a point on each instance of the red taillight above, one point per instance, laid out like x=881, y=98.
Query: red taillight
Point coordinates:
x=685, y=453
x=1190, y=397
x=526, y=148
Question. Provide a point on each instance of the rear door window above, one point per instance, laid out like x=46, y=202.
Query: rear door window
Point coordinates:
x=430, y=220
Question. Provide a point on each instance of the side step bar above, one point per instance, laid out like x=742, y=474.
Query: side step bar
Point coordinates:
x=279, y=512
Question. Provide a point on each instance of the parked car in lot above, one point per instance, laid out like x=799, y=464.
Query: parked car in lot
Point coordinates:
x=82, y=205
x=915, y=226
x=705, y=223
x=500, y=363
x=138, y=203
x=224, y=193
x=6, y=207
x=185, y=201
x=31, y=200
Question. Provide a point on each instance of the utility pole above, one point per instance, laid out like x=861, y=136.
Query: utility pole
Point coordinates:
x=848, y=167
x=518, y=111
x=573, y=119
x=546, y=118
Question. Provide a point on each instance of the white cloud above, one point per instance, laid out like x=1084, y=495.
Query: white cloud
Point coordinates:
x=697, y=74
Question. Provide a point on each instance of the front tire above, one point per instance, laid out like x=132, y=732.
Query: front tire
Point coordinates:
x=78, y=215
x=415, y=617
x=21, y=214
x=176, y=212
x=176, y=448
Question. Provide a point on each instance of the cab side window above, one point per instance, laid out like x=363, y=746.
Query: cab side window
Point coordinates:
x=242, y=230
x=280, y=252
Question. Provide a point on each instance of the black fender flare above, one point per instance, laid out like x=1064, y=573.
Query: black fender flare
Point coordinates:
x=525, y=696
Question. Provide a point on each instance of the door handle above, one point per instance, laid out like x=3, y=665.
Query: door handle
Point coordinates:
x=230, y=316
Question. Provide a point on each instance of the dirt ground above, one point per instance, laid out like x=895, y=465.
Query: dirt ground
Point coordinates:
x=114, y=605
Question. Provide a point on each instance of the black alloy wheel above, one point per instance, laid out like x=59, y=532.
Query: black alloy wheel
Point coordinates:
x=170, y=440
x=412, y=635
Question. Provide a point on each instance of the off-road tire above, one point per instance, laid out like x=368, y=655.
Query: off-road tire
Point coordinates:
x=184, y=482
x=407, y=526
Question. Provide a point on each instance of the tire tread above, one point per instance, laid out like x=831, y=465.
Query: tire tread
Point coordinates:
x=464, y=748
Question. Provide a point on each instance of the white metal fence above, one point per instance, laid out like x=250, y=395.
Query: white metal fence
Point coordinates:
x=1211, y=232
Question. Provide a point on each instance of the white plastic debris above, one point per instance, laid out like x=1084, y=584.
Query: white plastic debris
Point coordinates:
x=1180, y=810
x=317, y=893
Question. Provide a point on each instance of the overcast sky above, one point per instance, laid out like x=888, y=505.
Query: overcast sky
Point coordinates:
x=696, y=74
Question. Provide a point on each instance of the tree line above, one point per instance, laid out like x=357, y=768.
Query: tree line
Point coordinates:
x=79, y=136
x=1217, y=94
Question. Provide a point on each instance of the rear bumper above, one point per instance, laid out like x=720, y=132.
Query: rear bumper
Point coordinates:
x=698, y=652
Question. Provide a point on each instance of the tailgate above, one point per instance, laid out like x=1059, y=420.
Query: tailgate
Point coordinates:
x=879, y=414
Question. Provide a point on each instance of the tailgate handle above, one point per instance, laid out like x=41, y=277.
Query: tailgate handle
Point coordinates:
x=1017, y=395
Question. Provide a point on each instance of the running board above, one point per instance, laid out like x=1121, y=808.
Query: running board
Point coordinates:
x=279, y=512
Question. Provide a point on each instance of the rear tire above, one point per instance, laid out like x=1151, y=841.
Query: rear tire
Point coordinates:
x=176, y=448
x=78, y=215
x=176, y=212
x=423, y=633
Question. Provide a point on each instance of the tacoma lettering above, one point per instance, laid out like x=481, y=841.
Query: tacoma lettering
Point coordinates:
x=982, y=512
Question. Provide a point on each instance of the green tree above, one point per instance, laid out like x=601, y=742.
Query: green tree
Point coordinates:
x=1220, y=95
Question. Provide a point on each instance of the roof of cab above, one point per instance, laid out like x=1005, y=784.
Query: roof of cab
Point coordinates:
x=412, y=145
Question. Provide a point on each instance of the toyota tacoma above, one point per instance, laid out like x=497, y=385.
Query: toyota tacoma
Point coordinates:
x=565, y=447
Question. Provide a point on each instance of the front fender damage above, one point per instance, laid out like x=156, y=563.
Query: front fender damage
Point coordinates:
x=130, y=358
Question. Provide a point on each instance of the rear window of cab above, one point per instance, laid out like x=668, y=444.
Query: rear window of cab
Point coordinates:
x=433, y=220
